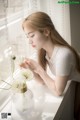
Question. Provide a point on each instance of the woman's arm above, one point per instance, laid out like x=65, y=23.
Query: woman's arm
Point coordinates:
x=57, y=86
x=38, y=78
x=24, y=64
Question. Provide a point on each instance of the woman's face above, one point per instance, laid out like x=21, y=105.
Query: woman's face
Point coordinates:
x=36, y=38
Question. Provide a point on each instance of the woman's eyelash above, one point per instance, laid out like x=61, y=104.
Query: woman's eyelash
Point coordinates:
x=32, y=36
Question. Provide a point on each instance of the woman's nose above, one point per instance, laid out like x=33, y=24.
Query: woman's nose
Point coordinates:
x=30, y=41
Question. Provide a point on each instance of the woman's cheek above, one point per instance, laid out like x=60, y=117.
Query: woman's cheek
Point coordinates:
x=38, y=42
x=40, y=45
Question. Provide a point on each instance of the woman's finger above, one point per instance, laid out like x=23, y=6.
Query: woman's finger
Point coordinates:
x=24, y=65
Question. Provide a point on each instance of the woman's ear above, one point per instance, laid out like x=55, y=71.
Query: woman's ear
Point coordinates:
x=46, y=32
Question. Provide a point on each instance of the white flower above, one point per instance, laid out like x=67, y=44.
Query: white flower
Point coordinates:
x=27, y=74
x=19, y=83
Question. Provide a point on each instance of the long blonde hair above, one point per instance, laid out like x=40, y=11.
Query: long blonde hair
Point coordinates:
x=39, y=21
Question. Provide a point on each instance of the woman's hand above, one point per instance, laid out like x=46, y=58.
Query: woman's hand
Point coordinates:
x=32, y=65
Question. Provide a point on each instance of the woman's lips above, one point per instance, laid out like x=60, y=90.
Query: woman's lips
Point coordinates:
x=33, y=46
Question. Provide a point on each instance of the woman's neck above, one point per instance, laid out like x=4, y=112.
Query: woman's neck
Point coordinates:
x=48, y=47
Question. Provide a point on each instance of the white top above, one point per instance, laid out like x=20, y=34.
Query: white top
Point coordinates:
x=63, y=63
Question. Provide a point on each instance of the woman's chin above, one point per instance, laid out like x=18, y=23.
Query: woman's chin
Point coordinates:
x=35, y=47
x=38, y=48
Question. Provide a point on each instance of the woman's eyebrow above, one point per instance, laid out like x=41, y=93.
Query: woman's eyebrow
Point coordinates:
x=30, y=32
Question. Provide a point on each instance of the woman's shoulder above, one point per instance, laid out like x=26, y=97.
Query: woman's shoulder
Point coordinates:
x=65, y=53
x=62, y=50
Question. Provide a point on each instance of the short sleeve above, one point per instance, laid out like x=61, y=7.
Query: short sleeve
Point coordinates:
x=63, y=64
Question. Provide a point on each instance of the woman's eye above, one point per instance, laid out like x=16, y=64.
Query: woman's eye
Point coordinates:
x=32, y=36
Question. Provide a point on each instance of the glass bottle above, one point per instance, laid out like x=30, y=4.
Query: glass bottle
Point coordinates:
x=22, y=97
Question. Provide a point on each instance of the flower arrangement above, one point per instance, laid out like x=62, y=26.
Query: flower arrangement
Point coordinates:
x=27, y=74
x=18, y=80
x=19, y=83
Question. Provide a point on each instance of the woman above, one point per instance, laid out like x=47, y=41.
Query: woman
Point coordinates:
x=53, y=50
